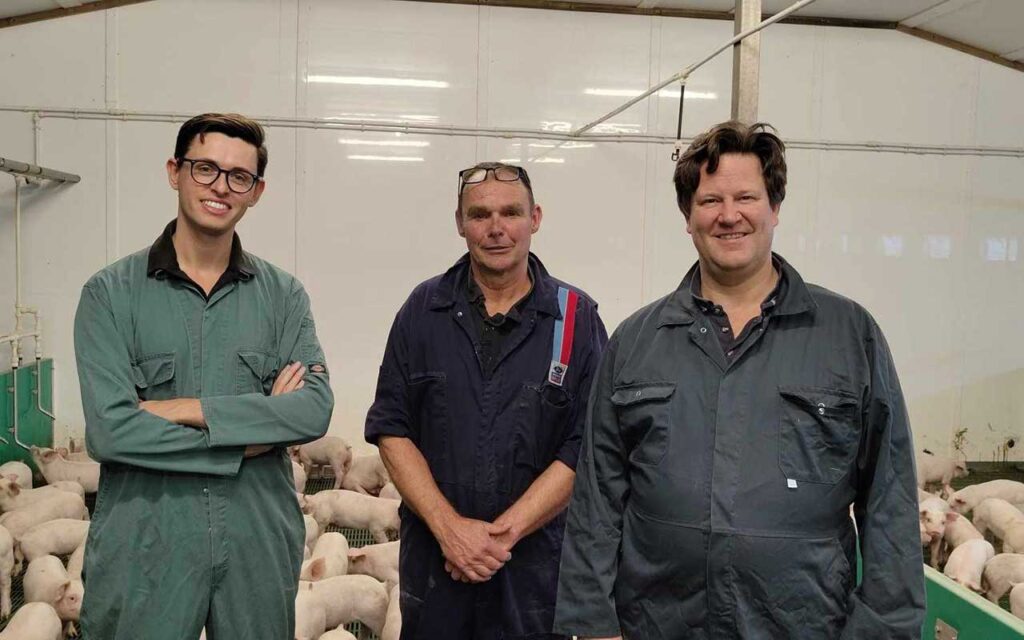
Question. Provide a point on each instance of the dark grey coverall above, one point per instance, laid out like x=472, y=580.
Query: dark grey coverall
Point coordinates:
x=712, y=495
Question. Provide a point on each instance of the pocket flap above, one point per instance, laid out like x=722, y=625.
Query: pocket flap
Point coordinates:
x=643, y=392
x=819, y=398
x=153, y=370
x=256, y=361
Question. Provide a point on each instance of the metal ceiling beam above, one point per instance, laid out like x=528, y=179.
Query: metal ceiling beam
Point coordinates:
x=963, y=47
x=650, y=8
x=854, y=23
x=50, y=14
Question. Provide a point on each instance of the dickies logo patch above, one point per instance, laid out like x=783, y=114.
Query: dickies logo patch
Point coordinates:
x=317, y=367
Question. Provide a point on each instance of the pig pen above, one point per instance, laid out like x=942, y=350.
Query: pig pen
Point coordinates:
x=356, y=538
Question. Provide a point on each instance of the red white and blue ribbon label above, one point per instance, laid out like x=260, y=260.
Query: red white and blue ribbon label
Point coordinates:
x=561, y=347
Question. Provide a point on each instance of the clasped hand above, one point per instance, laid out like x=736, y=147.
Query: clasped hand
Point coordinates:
x=475, y=550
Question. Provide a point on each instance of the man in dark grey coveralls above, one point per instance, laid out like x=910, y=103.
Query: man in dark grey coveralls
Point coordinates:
x=731, y=425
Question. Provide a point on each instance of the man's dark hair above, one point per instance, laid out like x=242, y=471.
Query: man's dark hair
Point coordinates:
x=732, y=137
x=230, y=124
x=523, y=177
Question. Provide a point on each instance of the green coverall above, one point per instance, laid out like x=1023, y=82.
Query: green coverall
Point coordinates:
x=185, y=531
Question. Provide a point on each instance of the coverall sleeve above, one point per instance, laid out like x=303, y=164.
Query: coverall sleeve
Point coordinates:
x=389, y=414
x=291, y=418
x=889, y=603
x=590, y=551
x=589, y=345
x=116, y=429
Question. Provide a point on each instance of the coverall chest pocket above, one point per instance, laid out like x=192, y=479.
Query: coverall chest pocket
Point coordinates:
x=154, y=377
x=645, y=419
x=818, y=433
x=255, y=372
x=428, y=413
x=542, y=424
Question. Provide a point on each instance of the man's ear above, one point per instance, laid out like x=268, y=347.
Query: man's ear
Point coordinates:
x=172, y=173
x=458, y=223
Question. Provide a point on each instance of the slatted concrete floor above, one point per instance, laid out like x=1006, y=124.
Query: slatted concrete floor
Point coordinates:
x=356, y=538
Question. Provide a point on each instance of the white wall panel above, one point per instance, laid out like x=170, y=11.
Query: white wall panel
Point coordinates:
x=194, y=56
x=38, y=72
x=554, y=70
x=885, y=86
x=931, y=245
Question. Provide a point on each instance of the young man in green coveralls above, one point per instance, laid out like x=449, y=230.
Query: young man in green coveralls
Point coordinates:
x=199, y=364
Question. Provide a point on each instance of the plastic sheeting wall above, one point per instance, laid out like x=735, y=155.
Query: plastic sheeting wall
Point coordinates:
x=930, y=244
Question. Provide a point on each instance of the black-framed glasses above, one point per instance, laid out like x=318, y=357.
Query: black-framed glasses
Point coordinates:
x=501, y=172
x=206, y=173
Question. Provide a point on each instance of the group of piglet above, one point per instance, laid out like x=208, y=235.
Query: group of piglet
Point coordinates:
x=37, y=528
x=339, y=585
x=966, y=547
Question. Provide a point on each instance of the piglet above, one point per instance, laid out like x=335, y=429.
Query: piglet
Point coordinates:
x=1001, y=573
x=367, y=475
x=1017, y=600
x=310, y=618
x=377, y=560
x=329, y=558
x=74, y=456
x=33, y=621
x=933, y=522
x=968, y=498
x=7, y=571
x=345, y=599
x=56, y=537
x=312, y=528
x=299, y=477
x=13, y=496
x=54, y=468
x=328, y=450
x=393, y=620
x=59, y=505
x=338, y=634
x=933, y=469
x=390, y=491
x=1004, y=520
x=967, y=563
x=46, y=580
x=17, y=470
x=353, y=510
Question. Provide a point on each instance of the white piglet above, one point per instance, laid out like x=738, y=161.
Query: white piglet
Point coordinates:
x=938, y=470
x=377, y=560
x=34, y=621
x=390, y=491
x=933, y=523
x=310, y=618
x=393, y=621
x=1001, y=573
x=329, y=558
x=338, y=634
x=6, y=571
x=353, y=510
x=967, y=563
x=1017, y=600
x=346, y=599
x=13, y=496
x=46, y=580
x=59, y=505
x=299, y=477
x=367, y=475
x=968, y=498
x=1004, y=520
x=17, y=470
x=328, y=450
x=54, y=468
x=57, y=537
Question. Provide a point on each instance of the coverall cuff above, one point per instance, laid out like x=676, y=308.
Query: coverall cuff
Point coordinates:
x=215, y=436
x=568, y=456
x=376, y=432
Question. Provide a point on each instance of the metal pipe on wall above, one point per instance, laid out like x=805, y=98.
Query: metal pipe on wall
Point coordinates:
x=331, y=124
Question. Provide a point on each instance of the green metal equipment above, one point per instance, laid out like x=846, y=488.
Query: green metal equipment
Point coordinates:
x=35, y=390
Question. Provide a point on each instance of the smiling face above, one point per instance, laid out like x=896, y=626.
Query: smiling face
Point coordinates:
x=214, y=209
x=731, y=219
x=497, y=221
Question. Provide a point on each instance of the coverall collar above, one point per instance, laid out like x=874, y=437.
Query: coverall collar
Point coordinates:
x=681, y=309
x=543, y=299
x=163, y=259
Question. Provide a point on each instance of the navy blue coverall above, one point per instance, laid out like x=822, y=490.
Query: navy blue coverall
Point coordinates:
x=486, y=439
